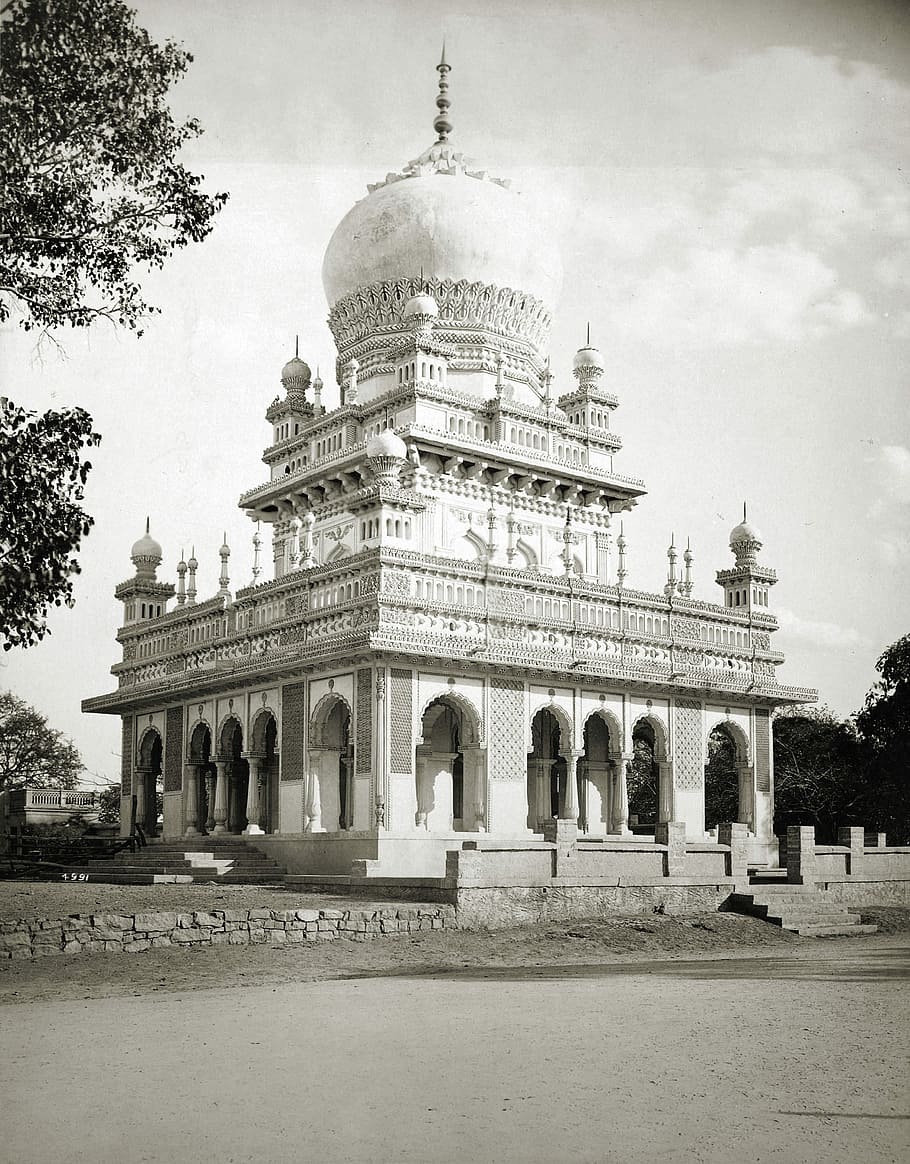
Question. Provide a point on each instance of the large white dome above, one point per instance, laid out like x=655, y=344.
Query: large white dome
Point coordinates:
x=444, y=226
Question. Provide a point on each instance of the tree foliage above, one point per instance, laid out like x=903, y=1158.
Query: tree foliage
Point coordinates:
x=721, y=780
x=42, y=522
x=884, y=726
x=31, y=752
x=820, y=772
x=109, y=804
x=92, y=185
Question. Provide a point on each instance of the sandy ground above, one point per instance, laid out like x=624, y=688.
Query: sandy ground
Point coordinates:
x=796, y=1054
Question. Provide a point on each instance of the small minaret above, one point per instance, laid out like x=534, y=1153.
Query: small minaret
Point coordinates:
x=621, y=570
x=746, y=587
x=192, y=566
x=672, y=555
x=317, y=394
x=181, y=581
x=223, y=579
x=143, y=596
x=257, y=547
x=688, y=559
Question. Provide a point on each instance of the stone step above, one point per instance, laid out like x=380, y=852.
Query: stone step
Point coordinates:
x=829, y=931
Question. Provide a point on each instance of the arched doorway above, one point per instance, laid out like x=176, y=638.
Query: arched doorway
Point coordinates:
x=599, y=795
x=728, y=791
x=643, y=776
x=200, y=791
x=548, y=765
x=449, y=775
x=262, y=792
x=236, y=775
x=330, y=795
x=149, y=790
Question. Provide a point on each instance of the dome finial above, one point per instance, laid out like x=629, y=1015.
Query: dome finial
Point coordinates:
x=588, y=335
x=441, y=123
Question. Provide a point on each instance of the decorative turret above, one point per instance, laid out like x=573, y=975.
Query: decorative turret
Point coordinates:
x=588, y=405
x=288, y=414
x=748, y=584
x=143, y=597
x=387, y=455
x=223, y=579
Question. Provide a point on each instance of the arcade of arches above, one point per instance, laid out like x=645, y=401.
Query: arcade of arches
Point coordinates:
x=234, y=790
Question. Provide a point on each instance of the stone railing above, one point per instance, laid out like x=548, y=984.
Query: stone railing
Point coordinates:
x=388, y=598
x=57, y=798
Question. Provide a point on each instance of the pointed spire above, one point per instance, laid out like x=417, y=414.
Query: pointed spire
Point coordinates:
x=441, y=123
x=296, y=347
x=147, y=526
x=588, y=335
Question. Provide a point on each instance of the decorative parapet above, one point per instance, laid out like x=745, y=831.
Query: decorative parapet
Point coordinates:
x=402, y=603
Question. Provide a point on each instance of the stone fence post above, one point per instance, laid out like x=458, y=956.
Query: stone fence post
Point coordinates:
x=672, y=833
x=801, y=864
x=855, y=840
x=737, y=837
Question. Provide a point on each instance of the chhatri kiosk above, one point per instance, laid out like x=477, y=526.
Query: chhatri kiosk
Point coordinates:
x=446, y=650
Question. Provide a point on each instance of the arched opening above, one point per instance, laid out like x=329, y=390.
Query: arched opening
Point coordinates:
x=449, y=768
x=262, y=791
x=149, y=791
x=643, y=775
x=330, y=805
x=599, y=799
x=723, y=800
x=237, y=773
x=547, y=768
x=200, y=805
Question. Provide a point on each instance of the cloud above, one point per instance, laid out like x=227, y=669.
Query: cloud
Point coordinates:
x=889, y=513
x=822, y=634
x=894, y=461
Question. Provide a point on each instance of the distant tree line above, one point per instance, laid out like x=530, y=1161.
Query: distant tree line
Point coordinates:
x=832, y=772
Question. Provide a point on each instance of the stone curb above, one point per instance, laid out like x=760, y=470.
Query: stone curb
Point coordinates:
x=134, y=933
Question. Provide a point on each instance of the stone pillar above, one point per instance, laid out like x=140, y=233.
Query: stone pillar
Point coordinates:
x=192, y=800
x=672, y=833
x=801, y=865
x=745, y=782
x=253, y=827
x=209, y=823
x=313, y=805
x=665, y=791
x=855, y=840
x=139, y=784
x=473, y=758
x=570, y=803
x=542, y=770
x=221, y=793
x=736, y=835
x=620, y=799
x=424, y=791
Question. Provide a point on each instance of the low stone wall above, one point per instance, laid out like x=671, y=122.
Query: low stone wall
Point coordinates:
x=134, y=933
x=500, y=907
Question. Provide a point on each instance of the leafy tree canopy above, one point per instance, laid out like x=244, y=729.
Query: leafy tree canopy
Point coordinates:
x=92, y=184
x=42, y=475
x=884, y=726
x=31, y=752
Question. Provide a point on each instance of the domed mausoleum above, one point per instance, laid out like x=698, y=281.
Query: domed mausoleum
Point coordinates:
x=442, y=670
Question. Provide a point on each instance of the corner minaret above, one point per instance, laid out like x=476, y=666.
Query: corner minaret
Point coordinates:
x=746, y=587
x=143, y=596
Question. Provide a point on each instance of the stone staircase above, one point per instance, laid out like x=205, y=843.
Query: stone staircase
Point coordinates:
x=802, y=909
x=227, y=860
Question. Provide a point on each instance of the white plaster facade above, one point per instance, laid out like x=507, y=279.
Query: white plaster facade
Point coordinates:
x=447, y=646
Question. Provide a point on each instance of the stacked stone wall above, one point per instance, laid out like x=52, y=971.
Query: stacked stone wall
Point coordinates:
x=112, y=933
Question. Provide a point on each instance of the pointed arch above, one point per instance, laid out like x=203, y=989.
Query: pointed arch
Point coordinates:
x=258, y=729
x=741, y=742
x=528, y=553
x=146, y=746
x=471, y=719
x=613, y=725
x=228, y=728
x=659, y=728
x=566, y=726
x=199, y=747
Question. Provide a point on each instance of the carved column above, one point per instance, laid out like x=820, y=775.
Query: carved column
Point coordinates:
x=665, y=792
x=209, y=798
x=570, y=802
x=221, y=794
x=313, y=802
x=139, y=783
x=474, y=814
x=620, y=799
x=192, y=800
x=252, y=797
x=542, y=781
x=744, y=779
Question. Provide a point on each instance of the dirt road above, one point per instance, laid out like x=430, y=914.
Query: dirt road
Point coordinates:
x=796, y=1055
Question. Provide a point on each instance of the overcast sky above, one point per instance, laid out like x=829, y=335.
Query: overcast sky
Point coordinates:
x=729, y=182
